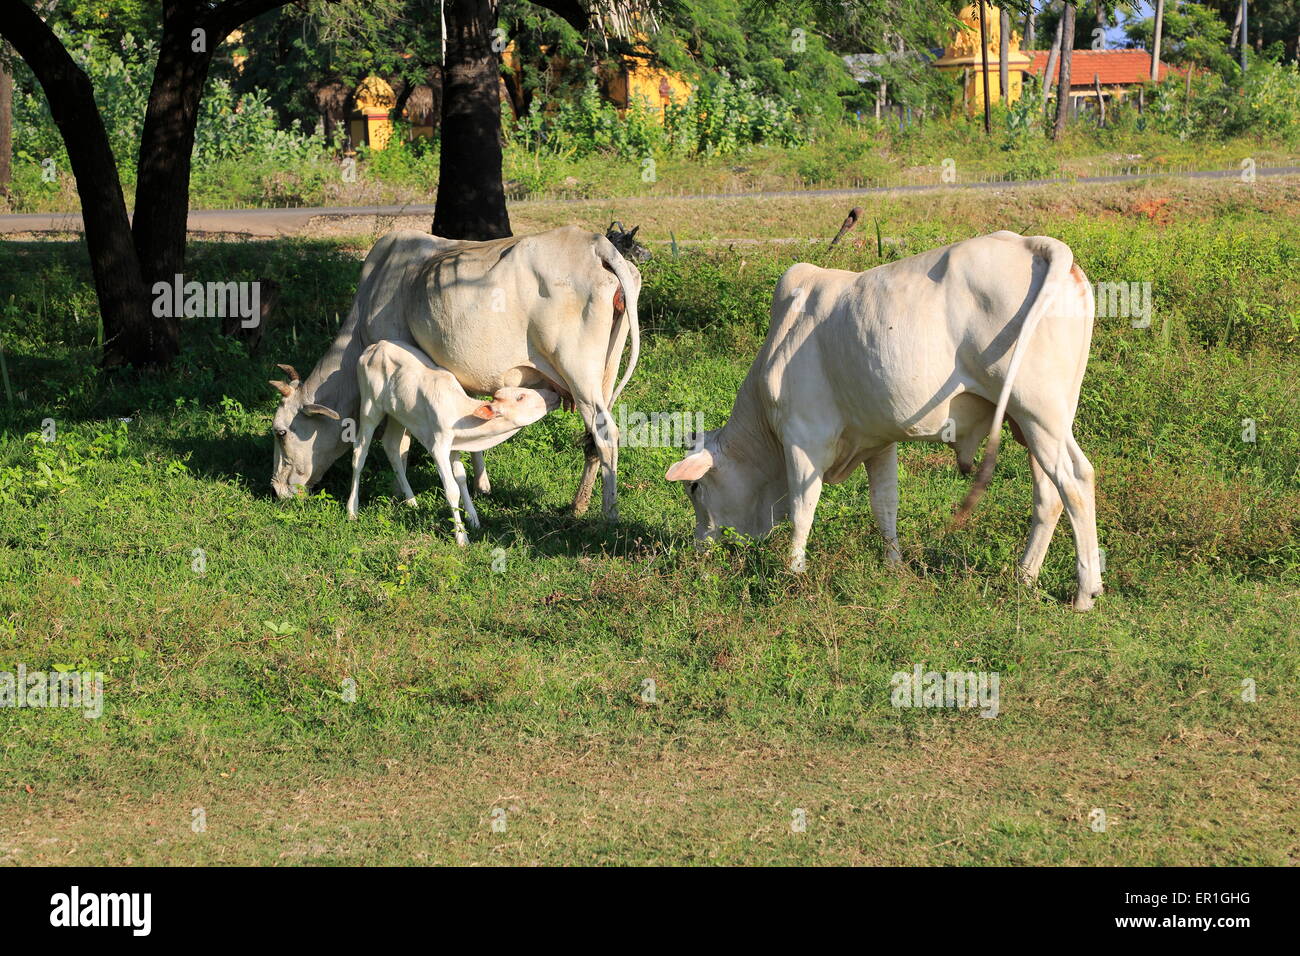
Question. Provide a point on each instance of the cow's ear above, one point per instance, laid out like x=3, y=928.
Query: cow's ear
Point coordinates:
x=691, y=468
x=485, y=412
x=283, y=388
x=314, y=409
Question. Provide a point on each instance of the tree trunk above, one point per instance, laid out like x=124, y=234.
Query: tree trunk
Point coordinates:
x=1031, y=28
x=131, y=332
x=1063, y=83
x=471, y=201
x=1004, y=51
x=6, y=123
x=167, y=142
x=1053, y=58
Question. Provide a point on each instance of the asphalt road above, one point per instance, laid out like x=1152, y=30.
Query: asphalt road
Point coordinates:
x=278, y=222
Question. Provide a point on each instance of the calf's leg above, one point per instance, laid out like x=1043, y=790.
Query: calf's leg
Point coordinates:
x=397, y=446
x=458, y=471
x=365, y=432
x=450, y=488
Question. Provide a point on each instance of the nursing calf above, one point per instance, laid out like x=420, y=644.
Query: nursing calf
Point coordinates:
x=398, y=383
x=939, y=347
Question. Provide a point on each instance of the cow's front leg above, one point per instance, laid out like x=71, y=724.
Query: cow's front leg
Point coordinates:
x=882, y=476
x=481, y=483
x=804, y=480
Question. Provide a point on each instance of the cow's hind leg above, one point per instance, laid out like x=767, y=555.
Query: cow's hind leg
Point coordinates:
x=482, y=485
x=1072, y=474
x=882, y=476
x=1047, y=512
x=590, y=468
x=604, y=436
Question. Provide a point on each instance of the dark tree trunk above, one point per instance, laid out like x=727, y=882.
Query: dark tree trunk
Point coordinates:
x=132, y=334
x=6, y=122
x=1063, y=84
x=167, y=141
x=471, y=201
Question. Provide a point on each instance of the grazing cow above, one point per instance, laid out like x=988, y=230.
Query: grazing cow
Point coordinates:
x=937, y=347
x=551, y=310
x=397, y=382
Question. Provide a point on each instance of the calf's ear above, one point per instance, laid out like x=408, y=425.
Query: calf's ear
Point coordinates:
x=314, y=409
x=691, y=468
x=484, y=412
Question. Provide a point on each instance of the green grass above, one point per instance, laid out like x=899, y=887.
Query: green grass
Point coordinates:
x=479, y=689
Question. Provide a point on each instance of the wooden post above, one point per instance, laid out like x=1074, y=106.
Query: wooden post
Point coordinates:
x=1101, y=101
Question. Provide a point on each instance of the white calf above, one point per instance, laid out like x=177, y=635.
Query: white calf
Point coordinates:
x=401, y=383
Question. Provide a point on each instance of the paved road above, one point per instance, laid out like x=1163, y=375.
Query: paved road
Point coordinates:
x=278, y=222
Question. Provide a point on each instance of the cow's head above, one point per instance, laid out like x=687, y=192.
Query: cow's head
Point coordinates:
x=732, y=488
x=306, y=438
x=626, y=244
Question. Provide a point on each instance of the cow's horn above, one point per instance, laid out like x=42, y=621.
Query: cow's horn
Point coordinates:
x=283, y=388
x=290, y=371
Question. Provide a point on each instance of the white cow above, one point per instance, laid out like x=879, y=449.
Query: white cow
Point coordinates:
x=938, y=347
x=399, y=383
x=551, y=310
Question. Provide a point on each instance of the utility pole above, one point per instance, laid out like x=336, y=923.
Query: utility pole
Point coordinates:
x=1155, y=45
x=1244, y=33
x=984, y=57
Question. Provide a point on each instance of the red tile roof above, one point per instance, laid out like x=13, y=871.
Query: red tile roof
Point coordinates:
x=1113, y=67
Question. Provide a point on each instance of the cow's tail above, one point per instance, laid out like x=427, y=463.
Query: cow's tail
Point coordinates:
x=1059, y=260
x=616, y=264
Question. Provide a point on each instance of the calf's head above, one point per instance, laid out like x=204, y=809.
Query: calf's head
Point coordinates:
x=730, y=488
x=306, y=439
x=625, y=242
x=519, y=406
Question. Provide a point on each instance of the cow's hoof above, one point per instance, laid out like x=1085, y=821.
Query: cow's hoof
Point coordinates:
x=483, y=487
x=799, y=564
x=411, y=503
x=1082, y=602
x=1026, y=577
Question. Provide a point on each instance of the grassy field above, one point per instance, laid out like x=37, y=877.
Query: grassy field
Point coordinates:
x=509, y=677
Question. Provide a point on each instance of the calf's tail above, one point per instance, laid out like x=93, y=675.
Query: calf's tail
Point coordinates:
x=1059, y=260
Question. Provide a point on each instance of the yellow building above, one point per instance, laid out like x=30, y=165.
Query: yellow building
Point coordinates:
x=638, y=78
x=371, y=122
x=963, y=56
